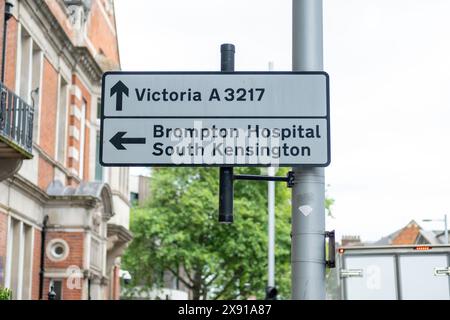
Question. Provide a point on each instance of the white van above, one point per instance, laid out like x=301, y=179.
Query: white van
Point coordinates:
x=420, y=272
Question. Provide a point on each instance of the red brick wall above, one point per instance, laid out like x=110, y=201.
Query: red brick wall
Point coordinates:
x=61, y=17
x=36, y=264
x=101, y=35
x=46, y=174
x=407, y=236
x=71, y=294
x=75, y=240
x=3, y=236
x=47, y=123
x=11, y=54
x=2, y=18
x=48, y=109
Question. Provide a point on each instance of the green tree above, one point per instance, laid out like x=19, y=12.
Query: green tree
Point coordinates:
x=178, y=230
x=5, y=294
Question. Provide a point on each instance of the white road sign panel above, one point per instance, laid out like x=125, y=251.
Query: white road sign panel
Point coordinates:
x=214, y=118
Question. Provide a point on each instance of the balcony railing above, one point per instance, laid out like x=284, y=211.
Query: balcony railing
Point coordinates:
x=16, y=122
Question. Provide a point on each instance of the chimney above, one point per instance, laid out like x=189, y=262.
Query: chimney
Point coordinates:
x=350, y=241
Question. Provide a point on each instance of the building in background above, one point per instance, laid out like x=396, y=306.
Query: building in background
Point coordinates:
x=401, y=265
x=410, y=234
x=56, y=53
x=351, y=240
x=139, y=189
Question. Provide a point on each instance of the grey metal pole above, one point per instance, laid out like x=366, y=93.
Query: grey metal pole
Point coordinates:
x=271, y=221
x=226, y=194
x=271, y=230
x=446, y=229
x=308, y=194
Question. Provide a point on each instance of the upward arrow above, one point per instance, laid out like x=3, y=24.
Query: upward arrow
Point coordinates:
x=119, y=90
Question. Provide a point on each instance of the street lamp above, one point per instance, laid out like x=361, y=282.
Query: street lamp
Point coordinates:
x=52, y=294
x=271, y=293
x=126, y=276
x=445, y=224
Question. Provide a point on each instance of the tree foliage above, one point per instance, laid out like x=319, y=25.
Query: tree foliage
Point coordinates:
x=5, y=294
x=178, y=229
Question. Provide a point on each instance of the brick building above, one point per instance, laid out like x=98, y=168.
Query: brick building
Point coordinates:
x=56, y=53
x=411, y=234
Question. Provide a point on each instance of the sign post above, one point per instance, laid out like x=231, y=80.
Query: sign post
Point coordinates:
x=226, y=174
x=308, y=193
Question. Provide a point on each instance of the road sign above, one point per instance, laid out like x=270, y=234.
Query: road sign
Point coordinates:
x=215, y=119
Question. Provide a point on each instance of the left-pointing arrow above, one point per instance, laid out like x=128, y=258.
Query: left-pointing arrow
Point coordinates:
x=119, y=89
x=118, y=140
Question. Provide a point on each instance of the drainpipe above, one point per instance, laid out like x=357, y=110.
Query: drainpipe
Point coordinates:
x=8, y=15
x=41, y=273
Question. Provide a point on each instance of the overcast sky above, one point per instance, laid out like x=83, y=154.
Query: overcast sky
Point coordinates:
x=389, y=63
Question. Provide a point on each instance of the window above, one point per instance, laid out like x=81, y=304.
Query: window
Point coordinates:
x=96, y=254
x=99, y=170
x=82, y=137
x=62, y=112
x=19, y=259
x=99, y=108
x=26, y=61
x=124, y=180
x=134, y=198
x=57, y=250
x=36, y=87
x=29, y=73
x=56, y=286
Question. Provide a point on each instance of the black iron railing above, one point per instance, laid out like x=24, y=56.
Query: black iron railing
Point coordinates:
x=16, y=119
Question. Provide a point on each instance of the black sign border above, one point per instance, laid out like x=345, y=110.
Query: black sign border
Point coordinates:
x=102, y=117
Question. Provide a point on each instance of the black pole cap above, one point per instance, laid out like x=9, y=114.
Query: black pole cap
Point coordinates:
x=227, y=47
x=227, y=51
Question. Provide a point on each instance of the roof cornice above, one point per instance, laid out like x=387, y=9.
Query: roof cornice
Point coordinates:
x=29, y=188
x=124, y=235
